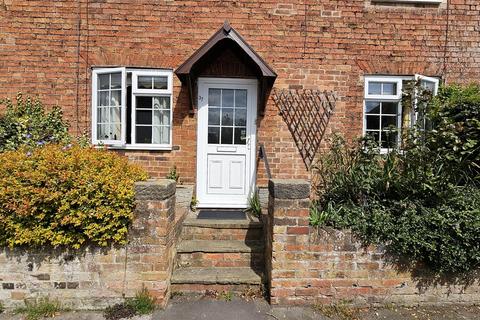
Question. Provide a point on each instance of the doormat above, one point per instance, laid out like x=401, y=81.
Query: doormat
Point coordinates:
x=222, y=214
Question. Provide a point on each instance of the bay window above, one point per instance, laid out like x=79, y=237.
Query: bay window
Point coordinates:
x=132, y=108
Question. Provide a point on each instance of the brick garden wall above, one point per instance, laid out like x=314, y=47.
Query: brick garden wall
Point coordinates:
x=308, y=265
x=92, y=278
x=47, y=48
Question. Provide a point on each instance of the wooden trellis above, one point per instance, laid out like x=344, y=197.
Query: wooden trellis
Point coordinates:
x=306, y=113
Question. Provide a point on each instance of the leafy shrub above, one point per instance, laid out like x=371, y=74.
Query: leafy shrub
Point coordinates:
x=65, y=196
x=26, y=123
x=424, y=202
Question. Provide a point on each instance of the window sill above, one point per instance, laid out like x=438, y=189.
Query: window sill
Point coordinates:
x=135, y=147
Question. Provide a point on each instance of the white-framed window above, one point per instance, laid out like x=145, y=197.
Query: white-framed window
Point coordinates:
x=383, y=114
x=132, y=108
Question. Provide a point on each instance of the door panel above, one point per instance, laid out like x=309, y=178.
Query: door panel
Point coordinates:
x=226, y=132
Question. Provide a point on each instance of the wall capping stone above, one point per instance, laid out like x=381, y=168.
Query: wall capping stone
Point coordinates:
x=153, y=189
x=289, y=188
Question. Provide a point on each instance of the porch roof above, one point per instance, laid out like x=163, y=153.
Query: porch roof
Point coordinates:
x=265, y=74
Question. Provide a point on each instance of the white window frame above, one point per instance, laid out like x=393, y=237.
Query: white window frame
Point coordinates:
x=121, y=144
x=123, y=107
x=151, y=93
x=392, y=98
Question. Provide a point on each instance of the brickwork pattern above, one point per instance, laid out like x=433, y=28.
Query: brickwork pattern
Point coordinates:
x=92, y=278
x=48, y=49
x=309, y=266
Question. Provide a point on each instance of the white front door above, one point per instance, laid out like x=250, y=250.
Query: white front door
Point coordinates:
x=226, y=140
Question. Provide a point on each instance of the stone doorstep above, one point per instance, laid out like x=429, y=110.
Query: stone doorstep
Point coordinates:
x=223, y=224
x=216, y=276
x=219, y=246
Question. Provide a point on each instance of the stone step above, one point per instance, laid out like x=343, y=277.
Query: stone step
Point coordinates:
x=249, y=223
x=216, y=276
x=221, y=260
x=225, y=246
x=222, y=231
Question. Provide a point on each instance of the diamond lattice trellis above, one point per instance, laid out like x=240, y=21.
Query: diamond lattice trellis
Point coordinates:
x=306, y=113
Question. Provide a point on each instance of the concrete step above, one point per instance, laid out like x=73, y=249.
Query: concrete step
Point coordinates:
x=249, y=223
x=221, y=260
x=216, y=276
x=225, y=246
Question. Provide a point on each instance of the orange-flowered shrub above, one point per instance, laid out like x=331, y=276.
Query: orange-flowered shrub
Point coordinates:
x=65, y=196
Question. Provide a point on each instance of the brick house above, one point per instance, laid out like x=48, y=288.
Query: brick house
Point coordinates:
x=137, y=75
x=214, y=88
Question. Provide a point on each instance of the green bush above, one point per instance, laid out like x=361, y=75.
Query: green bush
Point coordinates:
x=65, y=196
x=44, y=308
x=423, y=203
x=26, y=123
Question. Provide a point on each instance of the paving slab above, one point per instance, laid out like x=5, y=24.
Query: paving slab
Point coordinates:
x=224, y=246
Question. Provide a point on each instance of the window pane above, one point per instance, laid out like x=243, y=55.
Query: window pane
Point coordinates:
x=161, y=117
x=104, y=81
x=213, y=116
x=213, y=135
x=161, y=102
x=388, y=121
x=143, y=134
x=227, y=135
x=160, y=83
x=103, y=98
x=115, y=131
x=389, y=107
x=116, y=81
x=373, y=107
x=227, y=117
x=240, y=117
x=144, y=117
x=102, y=115
x=144, y=102
x=389, y=88
x=115, y=115
x=161, y=135
x=227, y=98
x=101, y=131
x=374, y=88
x=240, y=136
x=373, y=122
x=240, y=98
x=428, y=85
x=214, y=97
x=144, y=82
x=116, y=98
x=389, y=139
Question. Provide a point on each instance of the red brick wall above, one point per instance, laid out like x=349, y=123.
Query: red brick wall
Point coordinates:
x=307, y=265
x=48, y=47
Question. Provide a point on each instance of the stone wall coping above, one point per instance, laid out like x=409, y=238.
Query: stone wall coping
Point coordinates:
x=289, y=188
x=155, y=189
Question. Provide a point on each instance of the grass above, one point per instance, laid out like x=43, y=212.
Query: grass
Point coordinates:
x=42, y=308
x=2, y=307
x=340, y=310
x=226, y=295
x=254, y=205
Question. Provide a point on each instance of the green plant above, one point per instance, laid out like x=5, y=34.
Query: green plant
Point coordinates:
x=65, y=196
x=226, y=296
x=254, y=205
x=42, y=308
x=142, y=303
x=2, y=308
x=319, y=217
x=173, y=174
x=26, y=123
x=424, y=202
x=193, y=203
